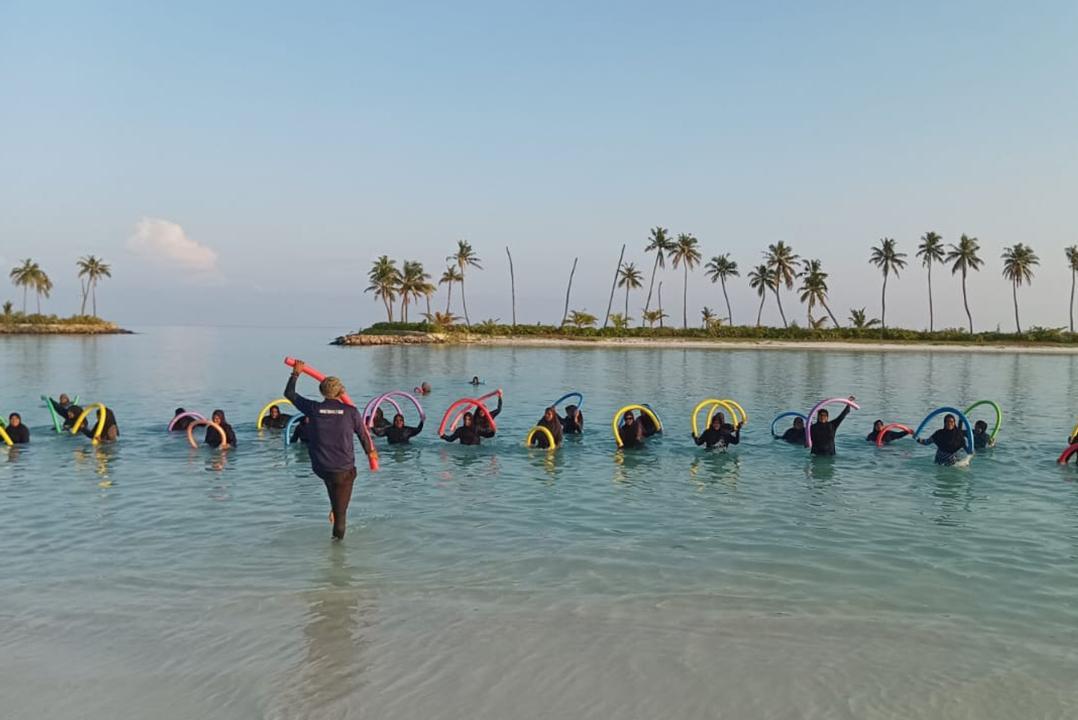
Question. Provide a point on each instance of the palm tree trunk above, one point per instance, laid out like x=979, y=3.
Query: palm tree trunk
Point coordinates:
x=651, y=285
x=627, y=304
x=965, y=302
x=614, y=287
x=389, y=309
x=760, y=312
x=568, y=291
x=883, y=304
x=85, y=289
x=729, y=312
x=831, y=314
x=931, y=313
x=449, y=298
x=25, y=288
x=778, y=298
x=685, y=299
x=464, y=299
x=661, y=303
x=1014, y=293
x=427, y=296
x=38, y=294
x=512, y=285
x=1072, y=300
x=93, y=292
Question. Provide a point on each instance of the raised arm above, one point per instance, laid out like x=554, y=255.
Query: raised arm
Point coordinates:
x=841, y=416
x=301, y=403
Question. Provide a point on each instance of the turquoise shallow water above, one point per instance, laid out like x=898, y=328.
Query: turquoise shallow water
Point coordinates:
x=148, y=579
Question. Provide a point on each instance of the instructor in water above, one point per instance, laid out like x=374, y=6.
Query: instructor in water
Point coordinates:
x=329, y=440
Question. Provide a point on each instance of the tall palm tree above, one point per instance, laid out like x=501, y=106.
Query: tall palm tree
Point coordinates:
x=761, y=279
x=450, y=276
x=659, y=243
x=963, y=257
x=718, y=269
x=781, y=259
x=630, y=278
x=814, y=289
x=92, y=269
x=42, y=286
x=412, y=286
x=886, y=257
x=385, y=281
x=25, y=276
x=1018, y=263
x=686, y=254
x=465, y=257
x=930, y=251
x=1072, y=262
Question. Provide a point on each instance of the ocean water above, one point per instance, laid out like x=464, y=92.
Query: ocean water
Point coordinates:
x=147, y=579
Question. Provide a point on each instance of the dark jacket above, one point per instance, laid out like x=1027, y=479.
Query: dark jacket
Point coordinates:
x=330, y=430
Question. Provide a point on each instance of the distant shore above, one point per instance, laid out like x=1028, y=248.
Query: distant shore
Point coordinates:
x=101, y=328
x=456, y=338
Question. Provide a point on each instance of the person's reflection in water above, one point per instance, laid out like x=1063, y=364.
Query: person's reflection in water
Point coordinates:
x=821, y=470
x=339, y=612
x=708, y=469
x=100, y=456
x=954, y=495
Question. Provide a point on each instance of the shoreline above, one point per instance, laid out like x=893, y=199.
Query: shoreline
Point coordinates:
x=357, y=340
x=22, y=329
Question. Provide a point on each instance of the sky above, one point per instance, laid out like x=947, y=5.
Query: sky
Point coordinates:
x=244, y=163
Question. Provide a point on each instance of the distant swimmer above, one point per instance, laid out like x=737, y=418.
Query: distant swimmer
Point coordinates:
x=950, y=442
x=275, y=419
x=981, y=439
x=475, y=380
x=631, y=431
x=299, y=433
x=19, y=433
x=422, y=389
x=467, y=433
x=213, y=438
x=329, y=439
x=379, y=422
x=573, y=422
x=719, y=433
x=398, y=433
x=889, y=437
x=824, y=429
x=795, y=434
x=183, y=423
x=553, y=424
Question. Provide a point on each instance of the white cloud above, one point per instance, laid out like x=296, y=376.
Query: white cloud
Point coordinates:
x=166, y=242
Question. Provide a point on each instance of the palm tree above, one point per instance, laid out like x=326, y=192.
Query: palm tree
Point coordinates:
x=718, y=269
x=441, y=319
x=930, y=251
x=25, y=276
x=42, y=286
x=619, y=321
x=659, y=243
x=464, y=257
x=963, y=257
x=814, y=289
x=781, y=259
x=92, y=268
x=761, y=279
x=1018, y=263
x=630, y=278
x=654, y=316
x=582, y=319
x=385, y=281
x=888, y=260
x=686, y=254
x=1072, y=261
x=412, y=285
x=708, y=318
x=860, y=321
x=450, y=276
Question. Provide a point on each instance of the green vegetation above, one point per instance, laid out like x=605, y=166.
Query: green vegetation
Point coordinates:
x=863, y=329
x=29, y=275
x=12, y=317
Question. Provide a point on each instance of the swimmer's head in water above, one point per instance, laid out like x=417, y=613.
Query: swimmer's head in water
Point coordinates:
x=949, y=422
x=628, y=417
x=14, y=420
x=550, y=414
x=331, y=388
x=218, y=416
x=274, y=412
x=64, y=399
x=877, y=426
x=475, y=379
x=398, y=421
x=425, y=387
x=72, y=412
x=179, y=411
x=980, y=426
x=799, y=424
x=379, y=414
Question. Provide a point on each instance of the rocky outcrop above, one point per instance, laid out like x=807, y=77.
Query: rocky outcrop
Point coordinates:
x=361, y=340
x=61, y=329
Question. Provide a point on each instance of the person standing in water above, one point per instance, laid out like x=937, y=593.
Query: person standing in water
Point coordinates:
x=631, y=431
x=213, y=438
x=950, y=441
x=824, y=429
x=329, y=441
x=573, y=422
x=719, y=433
x=553, y=424
x=183, y=423
x=467, y=433
x=795, y=434
x=398, y=433
x=890, y=437
x=275, y=419
x=19, y=433
x=981, y=438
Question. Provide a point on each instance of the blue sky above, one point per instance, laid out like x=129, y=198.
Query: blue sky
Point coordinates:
x=262, y=154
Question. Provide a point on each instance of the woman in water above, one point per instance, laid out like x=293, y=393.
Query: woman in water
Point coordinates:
x=183, y=423
x=422, y=389
x=299, y=434
x=475, y=380
x=573, y=422
x=19, y=433
x=719, y=433
x=950, y=442
x=981, y=439
x=631, y=431
x=467, y=433
x=398, y=433
x=890, y=437
x=824, y=429
x=213, y=438
x=552, y=423
x=110, y=433
x=275, y=420
x=795, y=434
x=483, y=424
x=379, y=422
